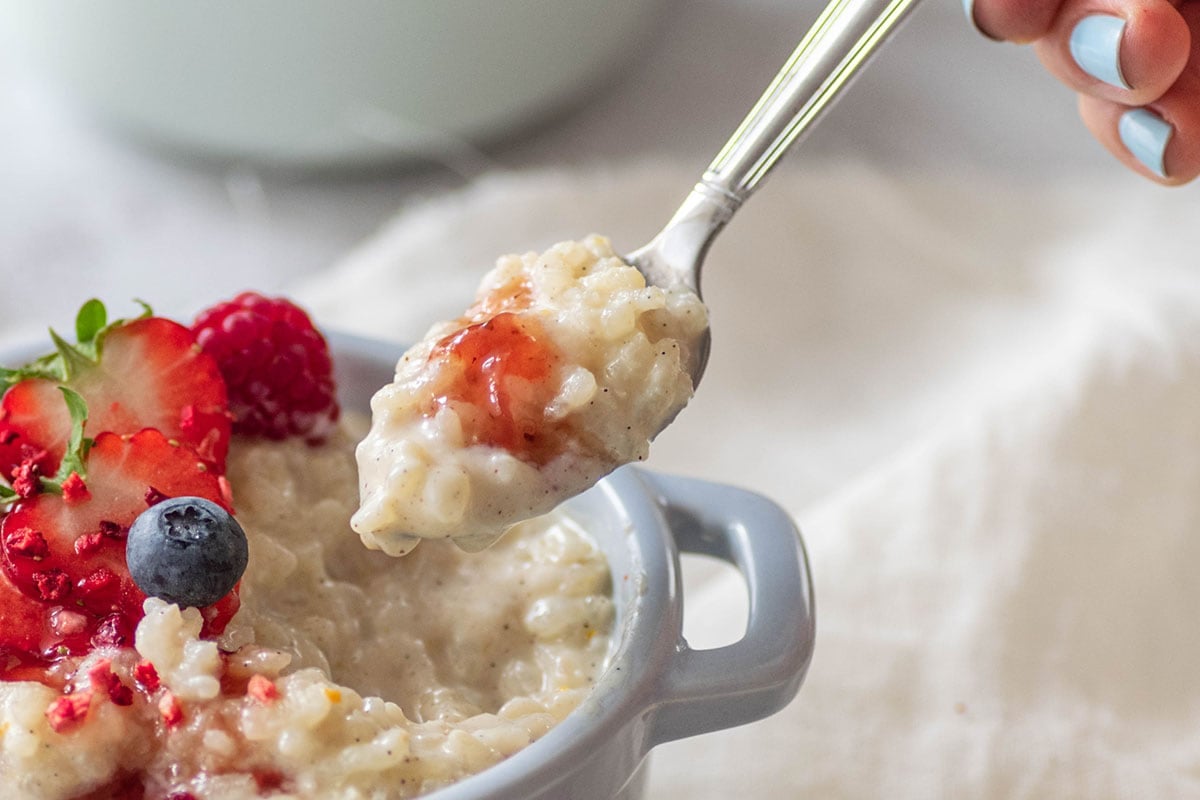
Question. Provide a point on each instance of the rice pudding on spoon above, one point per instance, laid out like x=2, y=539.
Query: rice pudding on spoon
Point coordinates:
x=564, y=368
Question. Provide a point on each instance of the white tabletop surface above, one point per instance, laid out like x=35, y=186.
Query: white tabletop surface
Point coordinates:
x=83, y=211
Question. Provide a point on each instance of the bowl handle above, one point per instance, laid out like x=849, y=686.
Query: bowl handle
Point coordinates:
x=706, y=690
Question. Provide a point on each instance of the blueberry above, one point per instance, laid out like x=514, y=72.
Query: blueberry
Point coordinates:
x=186, y=550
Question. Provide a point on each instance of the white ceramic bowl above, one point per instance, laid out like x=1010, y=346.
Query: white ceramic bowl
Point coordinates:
x=318, y=83
x=657, y=688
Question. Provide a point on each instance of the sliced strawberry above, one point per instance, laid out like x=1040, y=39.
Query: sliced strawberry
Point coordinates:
x=33, y=423
x=69, y=551
x=23, y=626
x=153, y=375
x=150, y=374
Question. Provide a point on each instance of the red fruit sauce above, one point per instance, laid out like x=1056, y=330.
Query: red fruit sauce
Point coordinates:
x=500, y=368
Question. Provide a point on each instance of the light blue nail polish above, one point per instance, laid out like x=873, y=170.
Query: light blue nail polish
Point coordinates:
x=1145, y=134
x=1096, y=48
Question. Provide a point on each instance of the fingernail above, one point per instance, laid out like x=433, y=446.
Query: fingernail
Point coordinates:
x=969, y=10
x=1145, y=134
x=1096, y=48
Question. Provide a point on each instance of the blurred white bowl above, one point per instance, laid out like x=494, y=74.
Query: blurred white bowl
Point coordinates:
x=319, y=83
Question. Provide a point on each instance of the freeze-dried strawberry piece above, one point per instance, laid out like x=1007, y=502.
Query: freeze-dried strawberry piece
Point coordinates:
x=68, y=711
x=170, y=709
x=26, y=476
x=26, y=543
x=102, y=679
x=74, y=490
x=262, y=689
x=146, y=676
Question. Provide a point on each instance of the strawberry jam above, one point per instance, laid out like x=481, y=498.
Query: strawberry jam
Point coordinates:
x=500, y=369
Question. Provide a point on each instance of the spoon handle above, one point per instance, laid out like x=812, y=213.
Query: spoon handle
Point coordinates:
x=846, y=34
x=831, y=53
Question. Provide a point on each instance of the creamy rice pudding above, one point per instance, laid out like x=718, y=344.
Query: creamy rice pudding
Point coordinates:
x=565, y=368
x=346, y=674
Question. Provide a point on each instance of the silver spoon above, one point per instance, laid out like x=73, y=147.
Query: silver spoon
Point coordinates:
x=846, y=34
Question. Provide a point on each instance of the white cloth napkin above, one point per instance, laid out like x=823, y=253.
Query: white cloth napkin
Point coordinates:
x=982, y=403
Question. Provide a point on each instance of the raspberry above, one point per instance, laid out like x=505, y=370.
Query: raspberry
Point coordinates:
x=276, y=367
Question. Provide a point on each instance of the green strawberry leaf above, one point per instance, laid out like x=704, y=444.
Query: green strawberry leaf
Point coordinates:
x=74, y=458
x=91, y=319
x=77, y=444
x=48, y=366
x=72, y=358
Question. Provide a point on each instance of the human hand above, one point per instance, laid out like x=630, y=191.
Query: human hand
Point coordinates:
x=1135, y=65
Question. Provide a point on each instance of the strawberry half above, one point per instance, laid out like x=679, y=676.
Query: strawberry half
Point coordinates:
x=67, y=551
x=32, y=417
x=144, y=373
